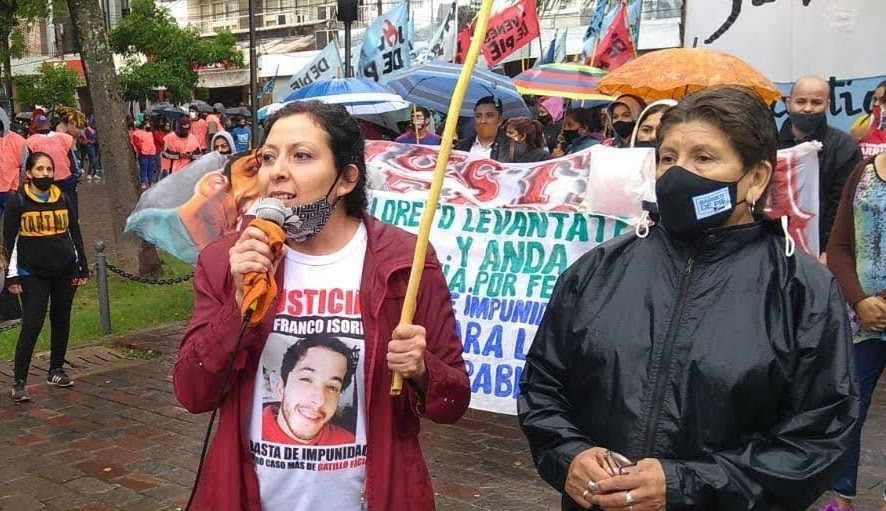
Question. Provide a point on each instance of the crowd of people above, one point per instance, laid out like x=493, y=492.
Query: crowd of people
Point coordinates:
x=701, y=363
x=164, y=144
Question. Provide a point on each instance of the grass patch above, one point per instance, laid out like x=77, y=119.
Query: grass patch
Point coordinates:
x=134, y=306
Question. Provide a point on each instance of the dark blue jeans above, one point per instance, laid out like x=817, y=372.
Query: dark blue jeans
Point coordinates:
x=95, y=161
x=870, y=358
x=146, y=169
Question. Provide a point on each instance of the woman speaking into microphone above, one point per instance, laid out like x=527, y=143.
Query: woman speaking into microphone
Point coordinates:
x=307, y=422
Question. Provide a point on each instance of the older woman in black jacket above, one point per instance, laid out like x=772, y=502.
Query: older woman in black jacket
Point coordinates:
x=702, y=349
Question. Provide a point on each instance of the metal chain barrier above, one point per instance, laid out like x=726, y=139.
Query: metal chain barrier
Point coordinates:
x=9, y=325
x=102, y=266
x=145, y=280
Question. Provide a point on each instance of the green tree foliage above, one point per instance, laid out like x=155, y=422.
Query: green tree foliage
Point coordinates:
x=172, y=53
x=55, y=86
x=12, y=39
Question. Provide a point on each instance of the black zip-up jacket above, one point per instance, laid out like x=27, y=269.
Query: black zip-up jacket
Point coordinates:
x=43, y=237
x=728, y=361
x=501, y=148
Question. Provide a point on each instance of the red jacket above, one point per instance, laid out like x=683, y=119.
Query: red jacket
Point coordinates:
x=397, y=478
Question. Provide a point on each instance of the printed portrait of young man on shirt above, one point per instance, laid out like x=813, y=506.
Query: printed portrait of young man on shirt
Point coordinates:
x=314, y=376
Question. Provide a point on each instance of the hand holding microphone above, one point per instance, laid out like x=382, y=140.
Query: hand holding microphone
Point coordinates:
x=254, y=259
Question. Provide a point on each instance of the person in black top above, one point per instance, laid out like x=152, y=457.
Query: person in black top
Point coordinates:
x=530, y=133
x=713, y=359
x=47, y=262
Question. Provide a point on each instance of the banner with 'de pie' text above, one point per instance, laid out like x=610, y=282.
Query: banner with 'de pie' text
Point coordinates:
x=507, y=31
x=325, y=66
x=387, y=45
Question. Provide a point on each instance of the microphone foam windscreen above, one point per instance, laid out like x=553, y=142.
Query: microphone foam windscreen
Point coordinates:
x=271, y=210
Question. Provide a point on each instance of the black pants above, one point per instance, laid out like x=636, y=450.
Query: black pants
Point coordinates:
x=37, y=292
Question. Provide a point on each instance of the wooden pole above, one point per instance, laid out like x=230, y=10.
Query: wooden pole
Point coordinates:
x=427, y=219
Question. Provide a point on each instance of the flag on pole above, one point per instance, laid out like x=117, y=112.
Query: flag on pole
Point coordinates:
x=604, y=15
x=450, y=37
x=437, y=44
x=635, y=11
x=595, y=30
x=508, y=31
x=268, y=89
x=324, y=66
x=387, y=44
x=560, y=47
x=550, y=53
x=616, y=46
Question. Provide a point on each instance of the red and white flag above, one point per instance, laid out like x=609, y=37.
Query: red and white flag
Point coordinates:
x=616, y=46
x=507, y=31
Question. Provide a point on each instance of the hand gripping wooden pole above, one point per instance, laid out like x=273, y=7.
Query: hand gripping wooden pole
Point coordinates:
x=427, y=218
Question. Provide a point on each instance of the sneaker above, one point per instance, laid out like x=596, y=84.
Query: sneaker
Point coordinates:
x=19, y=393
x=58, y=378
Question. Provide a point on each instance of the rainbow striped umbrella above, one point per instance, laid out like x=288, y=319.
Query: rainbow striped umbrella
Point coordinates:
x=574, y=81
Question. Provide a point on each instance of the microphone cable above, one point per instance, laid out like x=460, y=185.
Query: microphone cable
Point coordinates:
x=218, y=399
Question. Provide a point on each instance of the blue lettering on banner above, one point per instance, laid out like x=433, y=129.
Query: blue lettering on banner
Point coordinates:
x=503, y=310
x=850, y=99
x=499, y=380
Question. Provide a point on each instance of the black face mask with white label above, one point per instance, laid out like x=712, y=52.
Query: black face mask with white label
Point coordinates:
x=690, y=204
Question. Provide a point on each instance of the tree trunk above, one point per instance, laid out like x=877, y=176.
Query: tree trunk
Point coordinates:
x=7, y=65
x=128, y=250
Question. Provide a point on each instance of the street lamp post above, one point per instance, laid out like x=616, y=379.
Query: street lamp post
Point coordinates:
x=253, y=65
x=347, y=14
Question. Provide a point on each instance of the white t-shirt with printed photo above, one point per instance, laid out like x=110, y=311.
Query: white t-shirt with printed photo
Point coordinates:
x=307, y=430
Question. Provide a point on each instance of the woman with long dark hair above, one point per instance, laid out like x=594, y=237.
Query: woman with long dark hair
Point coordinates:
x=530, y=133
x=297, y=382
x=47, y=263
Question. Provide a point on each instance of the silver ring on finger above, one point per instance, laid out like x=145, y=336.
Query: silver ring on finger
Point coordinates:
x=592, y=486
x=584, y=495
x=629, y=499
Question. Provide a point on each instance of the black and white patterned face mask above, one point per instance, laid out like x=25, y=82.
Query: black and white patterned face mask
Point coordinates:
x=305, y=221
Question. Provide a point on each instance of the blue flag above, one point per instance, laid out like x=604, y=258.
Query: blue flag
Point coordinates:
x=268, y=89
x=595, y=28
x=548, y=57
x=387, y=44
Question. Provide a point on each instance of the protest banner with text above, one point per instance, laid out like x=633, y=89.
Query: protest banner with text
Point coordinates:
x=325, y=66
x=501, y=266
x=508, y=31
x=387, y=45
x=503, y=233
x=789, y=39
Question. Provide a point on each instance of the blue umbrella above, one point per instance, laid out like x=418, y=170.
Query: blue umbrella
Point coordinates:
x=432, y=85
x=359, y=97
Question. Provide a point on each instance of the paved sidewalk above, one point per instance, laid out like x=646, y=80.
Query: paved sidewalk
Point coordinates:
x=119, y=441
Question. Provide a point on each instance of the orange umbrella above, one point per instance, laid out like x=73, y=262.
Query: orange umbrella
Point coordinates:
x=677, y=72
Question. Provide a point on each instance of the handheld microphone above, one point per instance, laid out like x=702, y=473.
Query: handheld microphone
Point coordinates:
x=260, y=288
